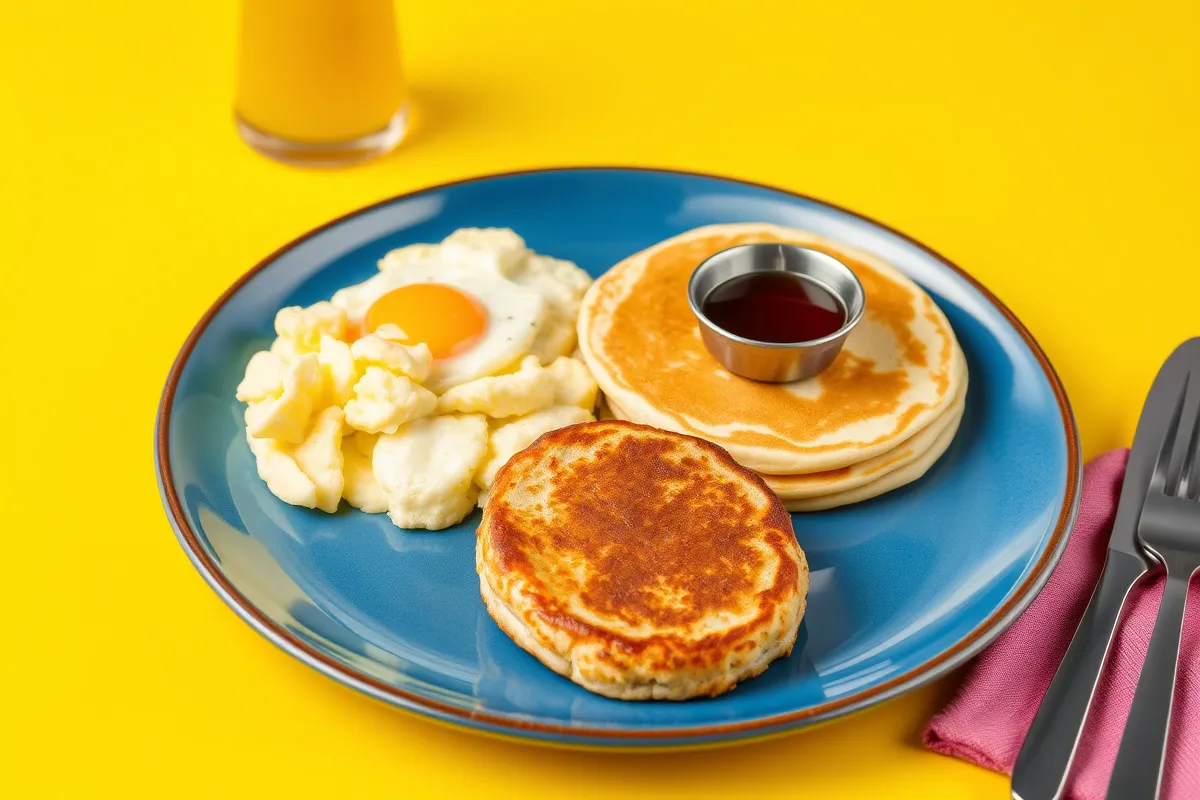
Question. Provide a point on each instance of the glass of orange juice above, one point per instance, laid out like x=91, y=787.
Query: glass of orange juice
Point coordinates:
x=319, y=81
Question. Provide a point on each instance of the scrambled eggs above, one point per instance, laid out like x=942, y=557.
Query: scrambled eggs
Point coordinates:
x=406, y=393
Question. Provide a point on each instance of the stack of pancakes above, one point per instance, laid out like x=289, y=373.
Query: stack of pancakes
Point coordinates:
x=875, y=420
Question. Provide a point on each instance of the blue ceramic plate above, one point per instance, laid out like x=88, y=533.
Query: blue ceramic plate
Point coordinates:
x=904, y=587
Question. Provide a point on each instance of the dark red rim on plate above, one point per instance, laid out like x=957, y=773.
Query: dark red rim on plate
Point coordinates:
x=972, y=642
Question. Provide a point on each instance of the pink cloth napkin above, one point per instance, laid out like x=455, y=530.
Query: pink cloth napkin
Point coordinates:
x=988, y=718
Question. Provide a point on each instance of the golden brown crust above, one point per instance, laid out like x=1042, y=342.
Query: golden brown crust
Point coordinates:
x=641, y=555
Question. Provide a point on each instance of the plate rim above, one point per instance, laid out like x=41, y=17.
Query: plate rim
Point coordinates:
x=963, y=649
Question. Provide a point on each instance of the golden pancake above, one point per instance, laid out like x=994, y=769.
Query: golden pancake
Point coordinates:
x=892, y=480
x=818, y=484
x=640, y=563
x=900, y=369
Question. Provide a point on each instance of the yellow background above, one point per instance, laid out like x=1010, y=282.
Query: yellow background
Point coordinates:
x=1048, y=148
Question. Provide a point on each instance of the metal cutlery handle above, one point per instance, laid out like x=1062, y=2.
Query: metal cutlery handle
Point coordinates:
x=1041, y=768
x=1138, y=769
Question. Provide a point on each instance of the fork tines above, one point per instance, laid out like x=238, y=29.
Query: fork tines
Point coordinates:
x=1179, y=477
x=1189, y=472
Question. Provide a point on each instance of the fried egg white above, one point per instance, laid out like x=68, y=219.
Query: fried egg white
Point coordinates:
x=476, y=322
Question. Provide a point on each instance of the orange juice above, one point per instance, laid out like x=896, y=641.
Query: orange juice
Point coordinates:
x=319, y=71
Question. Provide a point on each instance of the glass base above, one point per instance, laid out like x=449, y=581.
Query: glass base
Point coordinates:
x=326, y=154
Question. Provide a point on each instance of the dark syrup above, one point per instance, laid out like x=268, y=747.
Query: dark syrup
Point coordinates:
x=776, y=307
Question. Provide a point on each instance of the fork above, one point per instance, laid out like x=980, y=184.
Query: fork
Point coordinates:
x=1169, y=529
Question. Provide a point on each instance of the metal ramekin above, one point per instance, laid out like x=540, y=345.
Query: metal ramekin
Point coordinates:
x=775, y=362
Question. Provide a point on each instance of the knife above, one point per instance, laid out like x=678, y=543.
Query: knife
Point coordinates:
x=1040, y=772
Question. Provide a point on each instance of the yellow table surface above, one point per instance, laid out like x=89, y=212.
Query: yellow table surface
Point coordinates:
x=1048, y=148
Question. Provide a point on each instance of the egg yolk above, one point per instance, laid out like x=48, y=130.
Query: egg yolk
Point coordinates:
x=446, y=319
